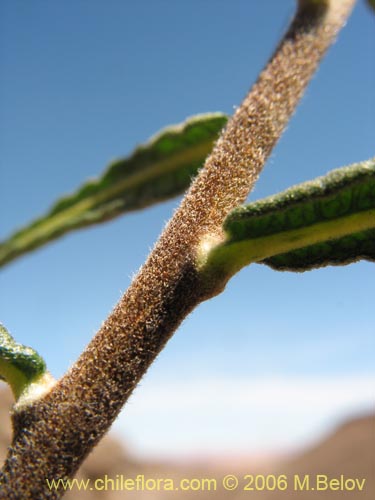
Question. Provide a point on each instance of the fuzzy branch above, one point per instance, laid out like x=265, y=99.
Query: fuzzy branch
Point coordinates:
x=54, y=434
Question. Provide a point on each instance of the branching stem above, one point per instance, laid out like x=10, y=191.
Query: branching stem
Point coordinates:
x=53, y=435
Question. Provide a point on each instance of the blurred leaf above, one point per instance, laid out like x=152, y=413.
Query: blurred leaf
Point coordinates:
x=330, y=220
x=158, y=170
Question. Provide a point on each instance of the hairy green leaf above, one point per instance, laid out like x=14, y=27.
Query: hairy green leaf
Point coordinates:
x=156, y=171
x=330, y=220
x=20, y=366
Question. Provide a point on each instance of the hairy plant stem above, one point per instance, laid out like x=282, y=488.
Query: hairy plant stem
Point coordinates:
x=54, y=434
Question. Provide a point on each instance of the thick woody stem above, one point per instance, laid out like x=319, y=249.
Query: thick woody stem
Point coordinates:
x=53, y=435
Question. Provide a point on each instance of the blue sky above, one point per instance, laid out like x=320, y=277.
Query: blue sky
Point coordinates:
x=83, y=83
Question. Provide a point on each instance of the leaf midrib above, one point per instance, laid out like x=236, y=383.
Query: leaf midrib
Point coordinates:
x=230, y=257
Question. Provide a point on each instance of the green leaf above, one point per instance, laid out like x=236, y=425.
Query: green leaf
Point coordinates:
x=345, y=250
x=20, y=366
x=330, y=220
x=158, y=170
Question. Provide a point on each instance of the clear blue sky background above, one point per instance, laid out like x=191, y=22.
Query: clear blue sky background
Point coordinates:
x=84, y=82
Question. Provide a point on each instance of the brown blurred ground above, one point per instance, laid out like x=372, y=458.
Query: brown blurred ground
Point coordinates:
x=349, y=451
